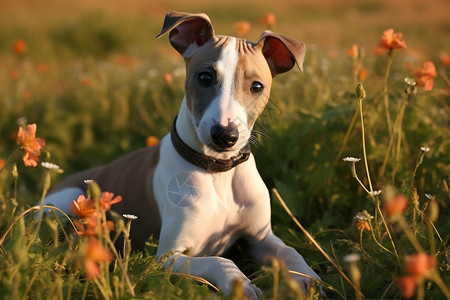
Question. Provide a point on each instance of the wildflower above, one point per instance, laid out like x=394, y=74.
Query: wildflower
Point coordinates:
x=424, y=149
x=353, y=51
x=15, y=74
x=418, y=267
x=151, y=141
x=362, y=221
x=396, y=205
x=91, y=226
x=86, y=81
x=107, y=199
x=168, y=78
x=362, y=74
x=352, y=258
x=351, y=159
x=268, y=20
x=445, y=59
x=129, y=217
x=410, y=86
x=429, y=196
x=425, y=76
x=420, y=264
x=95, y=253
x=52, y=167
x=19, y=47
x=30, y=144
x=2, y=163
x=42, y=67
x=407, y=285
x=392, y=41
x=26, y=94
x=241, y=28
x=333, y=54
x=83, y=207
x=375, y=193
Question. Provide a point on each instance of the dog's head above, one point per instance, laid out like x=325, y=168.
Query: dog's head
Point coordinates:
x=228, y=79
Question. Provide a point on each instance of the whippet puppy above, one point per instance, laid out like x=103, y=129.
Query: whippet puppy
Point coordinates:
x=198, y=191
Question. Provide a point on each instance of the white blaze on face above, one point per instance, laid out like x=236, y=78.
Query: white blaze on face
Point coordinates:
x=224, y=108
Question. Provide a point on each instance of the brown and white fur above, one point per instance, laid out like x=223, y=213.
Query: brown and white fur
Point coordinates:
x=197, y=214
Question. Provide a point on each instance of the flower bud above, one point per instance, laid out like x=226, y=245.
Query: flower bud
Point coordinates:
x=360, y=91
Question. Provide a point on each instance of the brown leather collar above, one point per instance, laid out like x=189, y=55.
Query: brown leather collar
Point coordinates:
x=206, y=162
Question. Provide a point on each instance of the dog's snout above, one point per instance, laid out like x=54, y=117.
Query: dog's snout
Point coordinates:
x=225, y=136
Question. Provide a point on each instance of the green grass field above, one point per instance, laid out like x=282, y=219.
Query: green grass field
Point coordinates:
x=97, y=83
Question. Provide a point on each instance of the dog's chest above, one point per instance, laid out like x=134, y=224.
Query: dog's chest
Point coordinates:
x=225, y=219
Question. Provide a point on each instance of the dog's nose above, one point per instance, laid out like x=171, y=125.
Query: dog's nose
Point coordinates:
x=225, y=136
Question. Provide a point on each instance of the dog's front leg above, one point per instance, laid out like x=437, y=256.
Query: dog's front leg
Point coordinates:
x=218, y=270
x=272, y=247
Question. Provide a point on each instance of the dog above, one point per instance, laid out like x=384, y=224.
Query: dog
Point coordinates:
x=198, y=191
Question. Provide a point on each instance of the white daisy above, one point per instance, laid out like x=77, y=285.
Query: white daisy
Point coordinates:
x=129, y=217
x=351, y=159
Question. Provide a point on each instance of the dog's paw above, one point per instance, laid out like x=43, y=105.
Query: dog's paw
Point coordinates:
x=244, y=288
x=306, y=282
x=251, y=291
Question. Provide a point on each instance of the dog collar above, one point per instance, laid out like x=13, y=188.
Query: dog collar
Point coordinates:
x=206, y=162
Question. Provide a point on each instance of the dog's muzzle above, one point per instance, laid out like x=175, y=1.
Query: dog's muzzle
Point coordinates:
x=225, y=137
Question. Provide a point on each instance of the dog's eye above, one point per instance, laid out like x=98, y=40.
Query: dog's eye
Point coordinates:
x=256, y=87
x=205, y=78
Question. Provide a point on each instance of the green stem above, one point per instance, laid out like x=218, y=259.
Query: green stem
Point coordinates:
x=398, y=131
x=387, y=230
x=386, y=89
x=364, y=144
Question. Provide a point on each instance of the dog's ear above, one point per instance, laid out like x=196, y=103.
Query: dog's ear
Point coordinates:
x=281, y=52
x=187, y=29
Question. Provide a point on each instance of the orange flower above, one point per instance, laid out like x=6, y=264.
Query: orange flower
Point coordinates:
x=406, y=285
x=107, y=199
x=241, y=28
x=86, y=81
x=95, y=253
x=268, y=20
x=151, y=141
x=333, y=54
x=19, y=47
x=445, y=59
x=30, y=144
x=83, y=207
x=362, y=225
x=42, y=67
x=26, y=94
x=392, y=41
x=2, y=163
x=419, y=265
x=425, y=76
x=168, y=78
x=353, y=51
x=15, y=74
x=396, y=205
x=362, y=74
x=91, y=226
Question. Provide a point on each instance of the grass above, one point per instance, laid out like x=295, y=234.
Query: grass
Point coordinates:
x=97, y=90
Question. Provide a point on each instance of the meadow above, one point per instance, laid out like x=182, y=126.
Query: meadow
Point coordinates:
x=355, y=149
